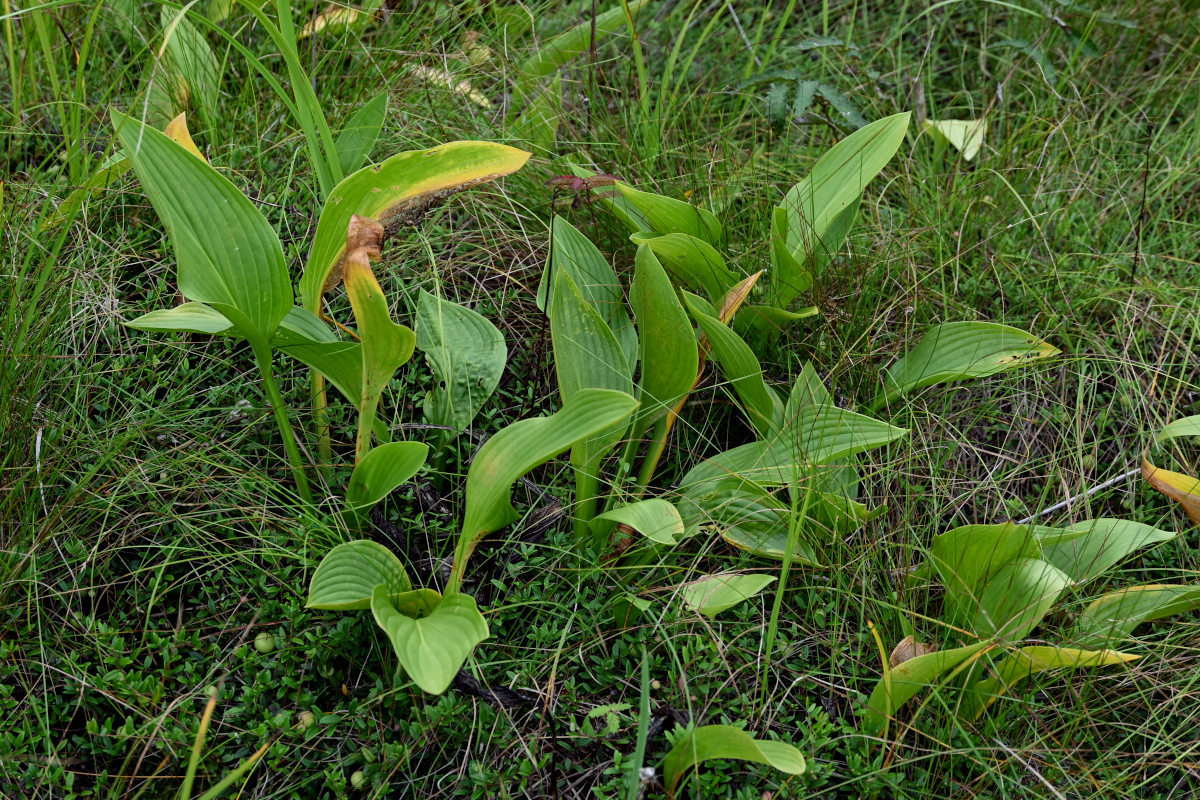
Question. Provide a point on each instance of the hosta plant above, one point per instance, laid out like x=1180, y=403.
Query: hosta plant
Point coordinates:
x=1000, y=584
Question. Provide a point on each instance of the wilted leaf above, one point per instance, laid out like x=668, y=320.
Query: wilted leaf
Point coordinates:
x=908, y=649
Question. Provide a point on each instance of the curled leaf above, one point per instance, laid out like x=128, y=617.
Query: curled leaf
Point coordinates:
x=908, y=648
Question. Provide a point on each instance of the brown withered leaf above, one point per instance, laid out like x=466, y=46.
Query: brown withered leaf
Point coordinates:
x=908, y=648
x=1184, y=489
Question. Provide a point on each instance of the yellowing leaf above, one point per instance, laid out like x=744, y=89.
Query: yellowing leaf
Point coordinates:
x=966, y=135
x=334, y=18
x=1184, y=489
x=398, y=192
x=177, y=129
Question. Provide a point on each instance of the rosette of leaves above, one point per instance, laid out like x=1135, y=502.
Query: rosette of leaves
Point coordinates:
x=1000, y=583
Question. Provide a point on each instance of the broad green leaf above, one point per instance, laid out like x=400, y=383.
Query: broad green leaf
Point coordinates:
x=574, y=254
x=1188, y=426
x=965, y=135
x=586, y=356
x=1183, y=489
x=657, y=520
x=1105, y=542
x=796, y=270
x=836, y=182
x=347, y=576
x=380, y=471
x=519, y=448
x=433, y=649
x=747, y=517
x=693, y=262
x=1110, y=619
x=966, y=557
x=1028, y=661
x=538, y=122
x=816, y=435
x=807, y=391
x=725, y=741
x=667, y=215
x=562, y=48
x=398, y=192
x=760, y=402
x=1017, y=597
x=187, y=317
x=385, y=345
x=340, y=362
x=466, y=354
x=958, y=350
x=354, y=143
x=713, y=594
x=900, y=683
x=669, y=356
x=189, y=57
x=228, y=255
x=301, y=326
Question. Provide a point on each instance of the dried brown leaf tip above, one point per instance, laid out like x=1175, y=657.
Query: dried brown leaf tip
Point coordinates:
x=364, y=232
x=909, y=648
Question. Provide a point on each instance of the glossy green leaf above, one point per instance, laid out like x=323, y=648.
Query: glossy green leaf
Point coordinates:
x=586, y=356
x=1109, y=620
x=808, y=391
x=356, y=140
x=574, y=254
x=668, y=353
x=519, y=448
x=1105, y=542
x=466, y=354
x=693, y=262
x=1017, y=597
x=966, y=558
x=186, y=317
x=655, y=519
x=667, y=215
x=1027, y=661
x=794, y=271
x=621, y=208
x=835, y=184
x=959, y=350
x=340, y=362
x=772, y=321
x=560, y=49
x=1187, y=426
x=902, y=682
x=398, y=192
x=347, y=576
x=713, y=594
x=760, y=402
x=433, y=649
x=725, y=741
x=380, y=471
x=228, y=255
x=747, y=517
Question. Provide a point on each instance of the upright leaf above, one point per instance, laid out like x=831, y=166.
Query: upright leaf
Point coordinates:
x=229, y=257
x=693, y=262
x=669, y=356
x=968, y=556
x=667, y=215
x=354, y=143
x=837, y=181
x=901, y=683
x=189, y=58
